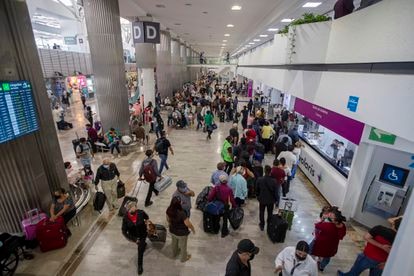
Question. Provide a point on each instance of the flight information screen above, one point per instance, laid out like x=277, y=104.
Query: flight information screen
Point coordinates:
x=17, y=110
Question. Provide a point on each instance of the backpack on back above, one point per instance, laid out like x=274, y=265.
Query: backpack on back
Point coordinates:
x=159, y=145
x=149, y=173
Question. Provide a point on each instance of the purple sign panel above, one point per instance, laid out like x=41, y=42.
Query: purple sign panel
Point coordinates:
x=344, y=126
x=250, y=88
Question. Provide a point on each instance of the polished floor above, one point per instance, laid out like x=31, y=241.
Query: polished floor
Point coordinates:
x=97, y=246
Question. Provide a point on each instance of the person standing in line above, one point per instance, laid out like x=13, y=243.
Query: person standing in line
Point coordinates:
x=239, y=263
x=134, y=229
x=208, y=123
x=245, y=115
x=179, y=225
x=289, y=157
x=250, y=106
x=227, y=154
x=239, y=186
x=149, y=172
x=379, y=241
x=185, y=194
x=286, y=181
x=293, y=261
x=266, y=195
x=89, y=115
x=279, y=175
x=267, y=133
x=84, y=152
x=162, y=145
x=223, y=193
x=108, y=174
x=215, y=176
x=234, y=133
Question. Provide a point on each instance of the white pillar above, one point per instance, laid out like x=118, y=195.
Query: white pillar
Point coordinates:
x=148, y=85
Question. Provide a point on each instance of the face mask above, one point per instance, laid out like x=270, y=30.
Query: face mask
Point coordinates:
x=106, y=166
x=299, y=258
x=57, y=197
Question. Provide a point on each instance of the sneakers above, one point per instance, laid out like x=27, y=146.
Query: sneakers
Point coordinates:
x=319, y=267
x=140, y=270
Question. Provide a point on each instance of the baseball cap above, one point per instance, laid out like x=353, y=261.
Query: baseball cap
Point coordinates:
x=247, y=245
x=182, y=186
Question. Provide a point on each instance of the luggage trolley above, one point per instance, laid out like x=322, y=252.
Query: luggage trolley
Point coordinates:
x=288, y=208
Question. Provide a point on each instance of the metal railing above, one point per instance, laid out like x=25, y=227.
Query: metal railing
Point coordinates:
x=211, y=61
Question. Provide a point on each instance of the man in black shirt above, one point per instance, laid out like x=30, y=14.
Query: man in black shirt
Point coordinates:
x=162, y=145
x=266, y=195
x=108, y=174
x=239, y=263
x=245, y=114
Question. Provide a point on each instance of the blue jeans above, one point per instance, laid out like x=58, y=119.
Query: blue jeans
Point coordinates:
x=362, y=263
x=114, y=145
x=163, y=162
x=324, y=261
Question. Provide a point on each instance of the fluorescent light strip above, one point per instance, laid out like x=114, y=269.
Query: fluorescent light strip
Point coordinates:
x=287, y=20
x=273, y=29
x=311, y=4
x=257, y=40
x=263, y=35
x=236, y=8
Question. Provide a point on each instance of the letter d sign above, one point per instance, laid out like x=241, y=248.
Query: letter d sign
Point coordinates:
x=152, y=32
x=138, y=32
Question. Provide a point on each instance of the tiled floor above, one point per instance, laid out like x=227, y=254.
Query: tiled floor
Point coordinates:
x=104, y=251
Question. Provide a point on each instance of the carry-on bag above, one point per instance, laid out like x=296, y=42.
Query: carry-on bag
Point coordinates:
x=159, y=235
x=163, y=184
x=120, y=189
x=201, y=200
x=32, y=218
x=211, y=223
x=277, y=228
x=99, y=201
x=236, y=217
x=288, y=216
x=132, y=197
x=51, y=234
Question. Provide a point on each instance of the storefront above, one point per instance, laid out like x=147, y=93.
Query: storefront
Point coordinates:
x=82, y=84
x=331, y=141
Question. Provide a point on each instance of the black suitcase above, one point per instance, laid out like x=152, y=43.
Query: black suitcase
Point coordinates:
x=277, y=228
x=75, y=142
x=130, y=198
x=211, y=223
x=99, y=201
x=161, y=234
x=222, y=115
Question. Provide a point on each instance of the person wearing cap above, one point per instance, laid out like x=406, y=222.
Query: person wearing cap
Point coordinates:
x=223, y=193
x=296, y=261
x=185, y=194
x=149, y=161
x=239, y=263
x=134, y=229
x=239, y=185
x=216, y=174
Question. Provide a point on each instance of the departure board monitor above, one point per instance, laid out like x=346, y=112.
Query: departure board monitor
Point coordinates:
x=17, y=110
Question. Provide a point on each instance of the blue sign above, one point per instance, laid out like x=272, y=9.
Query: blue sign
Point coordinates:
x=394, y=175
x=352, y=103
x=17, y=110
x=412, y=162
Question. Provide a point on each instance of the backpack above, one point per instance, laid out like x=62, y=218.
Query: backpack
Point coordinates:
x=159, y=145
x=149, y=173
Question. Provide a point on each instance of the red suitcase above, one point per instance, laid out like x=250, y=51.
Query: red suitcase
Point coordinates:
x=51, y=235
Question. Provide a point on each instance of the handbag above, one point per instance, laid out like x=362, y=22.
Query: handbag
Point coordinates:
x=236, y=216
x=214, y=126
x=120, y=189
x=215, y=207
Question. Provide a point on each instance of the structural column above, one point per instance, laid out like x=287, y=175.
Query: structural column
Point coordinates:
x=31, y=166
x=146, y=57
x=104, y=36
x=175, y=62
x=164, y=74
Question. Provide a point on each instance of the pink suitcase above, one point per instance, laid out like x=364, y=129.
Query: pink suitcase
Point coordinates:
x=32, y=218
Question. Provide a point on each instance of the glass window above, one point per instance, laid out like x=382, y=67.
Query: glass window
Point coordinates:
x=337, y=150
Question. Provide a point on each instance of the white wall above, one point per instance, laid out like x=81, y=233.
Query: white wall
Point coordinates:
x=273, y=52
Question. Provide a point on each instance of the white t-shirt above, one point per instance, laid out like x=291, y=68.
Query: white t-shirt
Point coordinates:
x=57, y=115
x=288, y=261
x=289, y=157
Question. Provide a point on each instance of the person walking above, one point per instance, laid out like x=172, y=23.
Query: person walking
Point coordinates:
x=162, y=146
x=379, y=242
x=84, y=152
x=245, y=115
x=296, y=261
x=112, y=139
x=234, y=133
x=108, y=174
x=185, y=194
x=179, y=225
x=227, y=154
x=134, y=229
x=149, y=172
x=328, y=233
x=89, y=115
x=223, y=193
x=239, y=263
x=239, y=186
x=208, y=123
x=266, y=195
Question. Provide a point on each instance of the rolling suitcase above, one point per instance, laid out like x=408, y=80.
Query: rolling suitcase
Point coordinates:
x=160, y=234
x=51, y=235
x=163, y=184
x=99, y=201
x=277, y=228
x=32, y=218
x=129, y=198
x=211, y=223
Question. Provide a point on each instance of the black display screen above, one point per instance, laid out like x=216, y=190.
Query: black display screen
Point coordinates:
x=394, y=175
x=17, y=110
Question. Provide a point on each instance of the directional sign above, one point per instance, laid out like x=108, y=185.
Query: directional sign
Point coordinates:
x=382, y=136
x=352, y=103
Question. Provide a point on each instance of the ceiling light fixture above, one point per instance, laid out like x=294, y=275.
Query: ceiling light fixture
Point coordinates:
x=311, y=4
x=224, y=40
x=251, y=43
x=177, y=24
x=160, y=6
x=236, y=8
x=230, y=25
x=188, y=4
x=273, y=29
x=226, y=34
x=205, y=12
x=263, y=35
x=287, y=20
x=223, y=44
x=257, y=40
